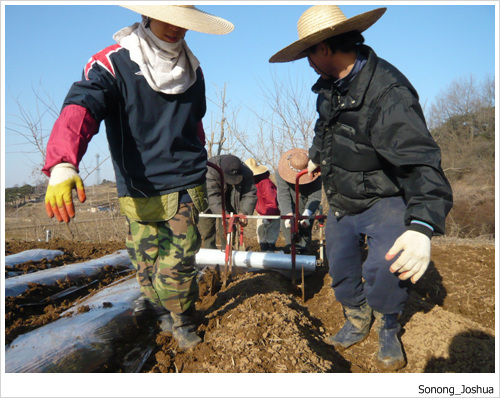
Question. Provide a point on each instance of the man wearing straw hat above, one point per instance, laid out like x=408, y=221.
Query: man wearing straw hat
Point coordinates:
x=150, y=91
x=291, y=163
x=268, y=229
x=381, y=172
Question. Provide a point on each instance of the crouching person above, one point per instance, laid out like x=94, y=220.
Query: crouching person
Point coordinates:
x=149, y=90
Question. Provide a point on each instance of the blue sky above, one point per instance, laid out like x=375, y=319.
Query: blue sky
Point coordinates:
x=46, y=46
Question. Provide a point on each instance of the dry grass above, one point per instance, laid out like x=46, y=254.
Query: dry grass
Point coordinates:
x=30, y=222
x=472, y=216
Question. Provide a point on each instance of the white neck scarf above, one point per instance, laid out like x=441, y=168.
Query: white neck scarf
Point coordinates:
x=169, y=68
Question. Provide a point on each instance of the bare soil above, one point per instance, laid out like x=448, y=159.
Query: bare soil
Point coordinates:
x=258, y=322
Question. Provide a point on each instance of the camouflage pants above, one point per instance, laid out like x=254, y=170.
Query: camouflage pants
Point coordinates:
x=163, y=253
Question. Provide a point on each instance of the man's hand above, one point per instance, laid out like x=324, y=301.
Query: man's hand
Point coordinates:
x=306, y=223
x=242, y=220
x=311, y=167
x=58, y=199
x=415, y=255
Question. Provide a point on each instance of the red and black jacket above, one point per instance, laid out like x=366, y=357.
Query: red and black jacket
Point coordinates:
x=156, y=140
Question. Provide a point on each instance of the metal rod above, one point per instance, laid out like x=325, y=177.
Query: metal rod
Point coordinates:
x=318, y=217
x=223, y=195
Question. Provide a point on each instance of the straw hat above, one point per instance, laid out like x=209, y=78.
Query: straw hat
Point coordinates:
x=320, y=22
x=187, y=17
x=291, y=163
x=256, y=169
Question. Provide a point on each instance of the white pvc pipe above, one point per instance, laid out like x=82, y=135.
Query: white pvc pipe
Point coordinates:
x=257, y=260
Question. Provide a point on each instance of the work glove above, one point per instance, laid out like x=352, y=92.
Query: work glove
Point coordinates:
x=242, y=220
x=58, y=199
x=288, y=222
x=415, y=248
x=311, y=166
x=306, y=223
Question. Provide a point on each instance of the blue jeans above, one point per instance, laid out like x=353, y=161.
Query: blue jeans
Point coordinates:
x=355, y=282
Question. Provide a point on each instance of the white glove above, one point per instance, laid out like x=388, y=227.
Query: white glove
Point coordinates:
x=415, y=248
x=311, y=166
x=287, y=223
x=58, y=199
x=306, y=223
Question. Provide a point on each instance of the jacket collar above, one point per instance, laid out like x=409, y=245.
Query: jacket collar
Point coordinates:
x=359, y=84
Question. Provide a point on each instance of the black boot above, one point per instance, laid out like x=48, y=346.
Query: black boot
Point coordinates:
x=184, y=329
x=356, y=327
x=145, y=309
x=166, y=322
x=390, y=352
x=264, y=247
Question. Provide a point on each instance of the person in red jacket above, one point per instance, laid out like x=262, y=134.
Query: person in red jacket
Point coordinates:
x=267, y=205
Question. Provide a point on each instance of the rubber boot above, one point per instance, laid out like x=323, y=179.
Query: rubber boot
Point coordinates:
x=272, y=247
x=184, y=329
x=390, y=352
x=166, y=322
x=264, y=247
x=355, y=329
x=145, y=309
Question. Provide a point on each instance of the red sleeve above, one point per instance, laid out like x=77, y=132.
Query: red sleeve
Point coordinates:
x=201, y=133
x=71, y=134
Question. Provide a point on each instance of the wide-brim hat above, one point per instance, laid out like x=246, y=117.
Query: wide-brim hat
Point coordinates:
x=320, y=22
x=257, y=169
x=293, y=162
x=184, y=16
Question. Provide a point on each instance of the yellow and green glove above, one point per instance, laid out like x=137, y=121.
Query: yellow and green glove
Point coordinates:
x=58, y=199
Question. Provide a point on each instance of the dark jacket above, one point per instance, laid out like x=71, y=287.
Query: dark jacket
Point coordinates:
x=309, y=195
x=239, y=198
x=154, y=138
x=372, y=142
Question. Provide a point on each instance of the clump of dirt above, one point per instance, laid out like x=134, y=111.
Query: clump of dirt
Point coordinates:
x=258, y=322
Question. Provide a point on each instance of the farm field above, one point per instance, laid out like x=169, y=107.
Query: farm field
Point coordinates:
x=259, y=323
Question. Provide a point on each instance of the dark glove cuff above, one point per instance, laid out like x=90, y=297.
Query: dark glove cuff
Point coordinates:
x=422, y=229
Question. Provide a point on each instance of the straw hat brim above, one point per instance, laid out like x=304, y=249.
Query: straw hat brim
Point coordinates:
x=187, y=17
x=256, y=169
x=297, y=49
x=290, y=175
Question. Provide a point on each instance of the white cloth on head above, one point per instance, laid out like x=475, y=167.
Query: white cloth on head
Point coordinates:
x=169, y=68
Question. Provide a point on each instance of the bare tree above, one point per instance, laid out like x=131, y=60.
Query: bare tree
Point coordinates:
x=287, y=121
x=462, y=120
x=224, y=131
x=31, y=127
x=463, y=106
x=35, y=127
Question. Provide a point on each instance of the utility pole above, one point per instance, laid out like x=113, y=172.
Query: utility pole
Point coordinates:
x=98, y=170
